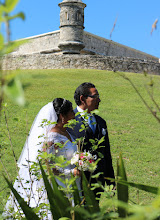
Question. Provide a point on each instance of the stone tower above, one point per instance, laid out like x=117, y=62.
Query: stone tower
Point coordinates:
x=71, y=26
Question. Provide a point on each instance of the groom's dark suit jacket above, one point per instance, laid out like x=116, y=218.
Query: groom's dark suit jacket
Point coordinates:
x=105, y=164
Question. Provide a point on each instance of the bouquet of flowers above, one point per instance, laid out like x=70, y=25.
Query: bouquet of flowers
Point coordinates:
x=84, y=161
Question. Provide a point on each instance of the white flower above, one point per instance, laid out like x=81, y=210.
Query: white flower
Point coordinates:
x=88, y=155
x=84, y=167
x=75, y=158
x=83, y=160
x=81, y=163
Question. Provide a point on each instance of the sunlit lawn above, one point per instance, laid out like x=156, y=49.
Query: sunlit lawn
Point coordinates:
x=132, y=129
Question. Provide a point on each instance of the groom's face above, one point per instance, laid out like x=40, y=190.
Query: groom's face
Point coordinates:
x=92, y=100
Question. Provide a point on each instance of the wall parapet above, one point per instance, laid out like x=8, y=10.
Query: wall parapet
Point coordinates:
x=48, y=43
x=71, y=61
x=103, y=46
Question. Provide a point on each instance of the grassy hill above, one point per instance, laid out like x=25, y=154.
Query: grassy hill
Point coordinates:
x=132, y=128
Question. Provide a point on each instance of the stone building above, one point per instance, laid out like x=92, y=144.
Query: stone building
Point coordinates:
x=72, y=47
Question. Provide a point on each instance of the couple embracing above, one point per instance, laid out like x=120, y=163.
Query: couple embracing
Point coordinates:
x=47, y=138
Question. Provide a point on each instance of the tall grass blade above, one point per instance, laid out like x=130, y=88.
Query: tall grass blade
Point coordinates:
x=60, y=195
x=77, y=201
x=58, y=202
x=151, y=189
x=82, y=213
x=91, y=202
x=29, y=213
x=122, y=190
x=76, y=195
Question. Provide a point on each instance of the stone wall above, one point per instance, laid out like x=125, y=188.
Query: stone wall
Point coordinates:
x=53, y=61
x=44, y=43
x=106, y=47
x=48, y=43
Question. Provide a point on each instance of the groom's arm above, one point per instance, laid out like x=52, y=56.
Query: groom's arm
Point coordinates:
x=108, y=159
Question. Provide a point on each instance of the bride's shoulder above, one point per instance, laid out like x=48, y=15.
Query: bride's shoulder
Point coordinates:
x=54, y=137
x=53, y=134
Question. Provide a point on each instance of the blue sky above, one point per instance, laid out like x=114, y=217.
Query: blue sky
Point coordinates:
x=133, y=27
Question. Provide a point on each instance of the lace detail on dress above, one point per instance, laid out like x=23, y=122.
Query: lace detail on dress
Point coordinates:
x=58, y=138
x=67, y=149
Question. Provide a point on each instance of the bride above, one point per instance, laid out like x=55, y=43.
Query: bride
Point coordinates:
x=49, y=125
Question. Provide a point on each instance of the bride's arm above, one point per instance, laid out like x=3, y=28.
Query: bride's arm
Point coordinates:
x=60, y=170
x=46, y=145
x=51, y=147
x=65, y=171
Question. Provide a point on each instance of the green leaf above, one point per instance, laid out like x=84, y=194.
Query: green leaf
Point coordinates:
x=1, y=42
x=91, y=202
x=58, y=202
x=77, y=200
x=29, y=213
x=62, y=200
x=76, y=196
x=96, y=176
x=71, y=123
x=64, y=218
x=96, y=111
x=2, y=10
x=9, y=5
x=9, y=75
x=151, y=189
x=11, y=46
x=92, y=141
x=56, y=212
x=15, y=91
x=100, y=155
x=101, y=140
x=16, y=119
x=18, y=15
x=122, y=190
x=82, y=213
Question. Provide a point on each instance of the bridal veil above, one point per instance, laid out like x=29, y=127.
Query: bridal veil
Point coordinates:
x=37, y=134
x=28, y=186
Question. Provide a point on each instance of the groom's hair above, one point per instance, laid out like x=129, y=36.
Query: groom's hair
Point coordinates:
x=83, y=89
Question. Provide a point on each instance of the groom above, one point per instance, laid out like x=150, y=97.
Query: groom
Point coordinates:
x=87, y=98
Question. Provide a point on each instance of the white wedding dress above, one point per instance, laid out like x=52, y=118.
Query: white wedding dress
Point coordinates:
x=28, y=185
x=67, y=151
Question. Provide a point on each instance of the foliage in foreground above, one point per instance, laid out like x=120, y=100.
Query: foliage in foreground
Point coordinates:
x=144, y=212
x=9, y=85
x=13, y=89
x=61, y=207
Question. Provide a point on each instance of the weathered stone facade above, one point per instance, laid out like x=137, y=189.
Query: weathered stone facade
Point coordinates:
x=52, y=61
x=102, y=46
x=48, y=43
x=47, y=51
x=44, y=43
x=71, y=26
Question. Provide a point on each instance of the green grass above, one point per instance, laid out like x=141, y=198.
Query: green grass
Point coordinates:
x=132, y=128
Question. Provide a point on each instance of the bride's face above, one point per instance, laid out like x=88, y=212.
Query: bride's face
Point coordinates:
x=70, y=115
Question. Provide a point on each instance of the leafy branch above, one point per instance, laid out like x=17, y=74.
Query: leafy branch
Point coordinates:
x=141, y=97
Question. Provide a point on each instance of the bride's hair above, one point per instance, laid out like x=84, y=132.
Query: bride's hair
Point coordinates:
x=61, y=106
